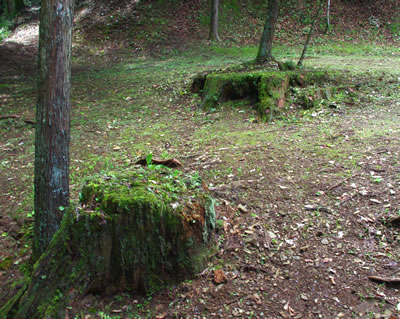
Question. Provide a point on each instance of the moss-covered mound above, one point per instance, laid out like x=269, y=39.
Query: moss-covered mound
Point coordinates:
x=267, y=89
x=133, y=231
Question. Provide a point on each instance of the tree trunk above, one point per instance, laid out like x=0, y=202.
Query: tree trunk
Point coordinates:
x=303, y=54
x=214, y=21
x=19, y=5
x=12, y=7
x=52, y=120
x=328, y=17
x=265, y=48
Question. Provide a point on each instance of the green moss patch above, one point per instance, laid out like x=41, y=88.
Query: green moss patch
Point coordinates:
x=133, y=231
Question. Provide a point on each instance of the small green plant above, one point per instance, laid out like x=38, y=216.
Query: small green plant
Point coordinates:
x=164, y=155
x=149, y=159
x=377, y=179
x=194, y=180
x=220, y=223
x=103, y=315
x=5, y=25
x=150, y=164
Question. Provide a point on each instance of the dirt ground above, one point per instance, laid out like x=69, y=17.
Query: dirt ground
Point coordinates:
x=308, y=207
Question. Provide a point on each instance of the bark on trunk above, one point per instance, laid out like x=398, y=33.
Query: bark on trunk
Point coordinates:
x=265, y=48
x=214, y=21
x=52, y=120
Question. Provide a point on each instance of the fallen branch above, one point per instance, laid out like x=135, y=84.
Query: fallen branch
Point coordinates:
x=171, y=163
x=13, y=116
x=386, y=280
x=248, y=268
x=380, y=298
x=317, y=208
x=394, y=221
x=341, y=182
x=232, y=301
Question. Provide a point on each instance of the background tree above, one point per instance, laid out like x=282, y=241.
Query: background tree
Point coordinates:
x=328, y=24
x=265, y=48
x=11, y=7
x=310, y=33
x=214, y=21
x=52, y=120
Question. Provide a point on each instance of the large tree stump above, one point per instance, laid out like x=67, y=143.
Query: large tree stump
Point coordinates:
x=267, y=89
x=133, y=231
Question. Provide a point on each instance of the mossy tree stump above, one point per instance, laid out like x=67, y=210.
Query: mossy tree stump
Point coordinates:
x=267, y=89
x=133, y=231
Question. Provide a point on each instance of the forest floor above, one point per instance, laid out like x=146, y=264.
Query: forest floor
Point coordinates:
x=305, y=203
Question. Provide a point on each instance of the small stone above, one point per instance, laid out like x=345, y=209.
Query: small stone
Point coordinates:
x=271, y=234
x=325, y=241
x=243, y=208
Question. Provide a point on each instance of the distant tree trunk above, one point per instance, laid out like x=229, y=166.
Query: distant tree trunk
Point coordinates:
x=214, y=21
x=328, y=9
x=265, y=48
x=13, y=7
x=303, y=54
x=19, y=5
x=52, y=120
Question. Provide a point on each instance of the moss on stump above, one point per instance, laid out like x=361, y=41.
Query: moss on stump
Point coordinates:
x=312, y=97
x=133, y=231
x=267, y=89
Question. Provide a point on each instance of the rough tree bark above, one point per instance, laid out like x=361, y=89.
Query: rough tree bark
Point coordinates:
x=214, y=36
x=52, y=120
x=265, y=48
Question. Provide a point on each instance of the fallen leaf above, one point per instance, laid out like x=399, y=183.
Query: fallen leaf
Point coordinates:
x=162, y=316
x=375, y=201
x=257, y=299
x=219, y=276
x=243, y=209
x=117, y=311
x=292, y=312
